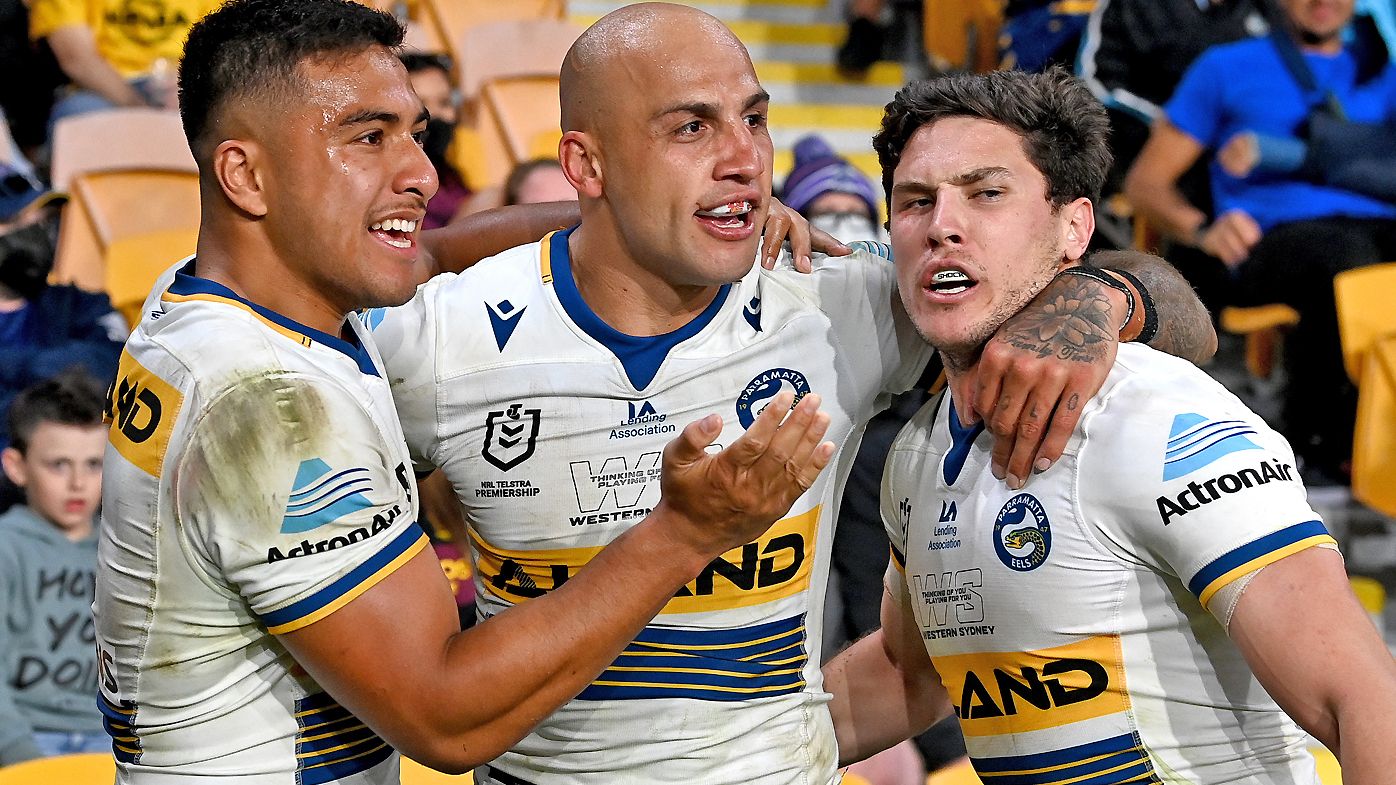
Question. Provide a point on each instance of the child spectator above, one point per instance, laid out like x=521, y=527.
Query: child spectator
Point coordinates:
x=48, y=557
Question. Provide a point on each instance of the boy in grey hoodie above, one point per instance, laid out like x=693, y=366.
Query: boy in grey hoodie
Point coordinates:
x=48, y=556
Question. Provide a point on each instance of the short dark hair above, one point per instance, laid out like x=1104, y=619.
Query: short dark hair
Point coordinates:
x=70, y=398
x=1065, y=129
x=253, y=47
x=416, y=62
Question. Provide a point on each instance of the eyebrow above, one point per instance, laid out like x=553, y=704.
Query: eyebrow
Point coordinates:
x=967, y=178
x=708, y=109
x=381, y=116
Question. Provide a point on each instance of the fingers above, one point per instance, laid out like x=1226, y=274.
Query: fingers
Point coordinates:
x=800, y=241
x=692, y=442
x=773, y=235
x=1064, y=419
x=826, y=243
x=793, y=449
x=750, y=446
x=1032, y=428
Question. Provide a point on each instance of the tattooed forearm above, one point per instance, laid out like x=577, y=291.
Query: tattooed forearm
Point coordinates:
x=1185, y=328
x=1070, y=319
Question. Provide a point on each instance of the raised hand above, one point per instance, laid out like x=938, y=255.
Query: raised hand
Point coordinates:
x=724, y=500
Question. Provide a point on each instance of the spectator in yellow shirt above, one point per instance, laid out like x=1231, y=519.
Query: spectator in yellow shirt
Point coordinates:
x=115, y=52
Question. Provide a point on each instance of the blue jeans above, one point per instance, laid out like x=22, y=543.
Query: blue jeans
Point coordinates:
x=76, y=102
x=55, y=743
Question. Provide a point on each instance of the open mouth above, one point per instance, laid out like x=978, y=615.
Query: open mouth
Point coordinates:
x=950, y=282
x=730, y=216
x=396, y=232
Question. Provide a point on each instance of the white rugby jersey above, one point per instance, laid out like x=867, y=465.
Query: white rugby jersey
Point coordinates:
x=1067, y=618
x=256, y=481
x=550, y=426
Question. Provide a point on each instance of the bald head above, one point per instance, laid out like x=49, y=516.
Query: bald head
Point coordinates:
x=614, y=55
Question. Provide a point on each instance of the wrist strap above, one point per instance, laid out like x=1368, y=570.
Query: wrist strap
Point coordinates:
x=1146, y=306
x=1101, y=276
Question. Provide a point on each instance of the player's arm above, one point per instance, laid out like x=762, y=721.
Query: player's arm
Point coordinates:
x=481, y=235
x=1045, y=362
x=1316, y=652
x=884, y=687
x=395, y=656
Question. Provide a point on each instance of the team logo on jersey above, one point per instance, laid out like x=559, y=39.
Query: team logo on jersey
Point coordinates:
x=504, y=317
x=1022, y=535
x=320, y=495
x=759, y=392
x=752, y=313
x=642, y=420
x=1195, y=442
x=510, y=436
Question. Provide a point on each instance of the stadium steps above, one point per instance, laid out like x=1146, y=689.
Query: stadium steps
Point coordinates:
x=792, y=44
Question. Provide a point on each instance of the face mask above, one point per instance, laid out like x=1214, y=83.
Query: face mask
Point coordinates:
x=848, y=227
x=26, y=256
x=438, y=140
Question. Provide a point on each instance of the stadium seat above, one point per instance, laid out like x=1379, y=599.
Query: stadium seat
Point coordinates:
x=961, y=772
x=134, y=263
x=1374, y=437
x=1363, y=297
x=452, y=18
x=964, y=35
x=517, y=119
x=414, y=773
x=1262, y=325
x=512, y=49
x=92, y=768
x=107, y=207
x=118, y=139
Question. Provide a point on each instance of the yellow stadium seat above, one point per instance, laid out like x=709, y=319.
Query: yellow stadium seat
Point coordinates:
x=1262, y=325
x=133, y=263
x=414, y=773
x=516, y=120
x=452, y=18
x=512, y=48
x=961, y=772
x=1374, y=437
x=1363, y=297
x=119, y=139
x=92, y=768
x=107, y=207
x=964, y=34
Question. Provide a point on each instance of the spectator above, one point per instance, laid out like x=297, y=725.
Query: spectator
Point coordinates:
x=831, y=193
x=115, y=52
x=1268, y=227
x=538, y=180
x=44, y=329
x=431, y=79
x=1038, y=34
x=25, y=101
x=48, y=554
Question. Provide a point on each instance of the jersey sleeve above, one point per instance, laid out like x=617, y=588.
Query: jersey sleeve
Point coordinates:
x=859, y=293
x=289, y=495
x=1198, y=488
x=406, y=338
x=893, y=509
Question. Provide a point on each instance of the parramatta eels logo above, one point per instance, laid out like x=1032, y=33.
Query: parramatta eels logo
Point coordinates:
x=1022, y=535
x=764, y=388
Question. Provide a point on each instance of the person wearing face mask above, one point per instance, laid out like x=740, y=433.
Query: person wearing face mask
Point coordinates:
x=831, y=193
x=431, y=80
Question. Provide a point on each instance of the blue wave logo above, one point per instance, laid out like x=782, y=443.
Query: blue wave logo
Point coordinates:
x=1195, y=441
x=321, y=495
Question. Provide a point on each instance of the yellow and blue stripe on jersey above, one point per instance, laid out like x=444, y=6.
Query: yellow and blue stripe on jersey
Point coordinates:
x=1256, y=554
x=117, y=722
x=357, y=581
x=331, y=743
x=1114, y=761
x=738, y=664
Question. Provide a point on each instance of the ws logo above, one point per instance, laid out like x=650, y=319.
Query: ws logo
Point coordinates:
x=141, y=408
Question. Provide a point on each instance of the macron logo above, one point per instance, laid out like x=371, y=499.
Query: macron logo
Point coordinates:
x=320, y=495
x=503, y=319
x=1195, y=441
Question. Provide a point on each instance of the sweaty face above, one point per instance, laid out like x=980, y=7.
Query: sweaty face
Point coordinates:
x=1319, y=20
x=348, y=183
x=973, y=233
x=61, y=473
x=686, y=159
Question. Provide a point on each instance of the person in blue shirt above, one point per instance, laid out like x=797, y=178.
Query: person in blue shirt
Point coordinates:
x=1284, y=237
